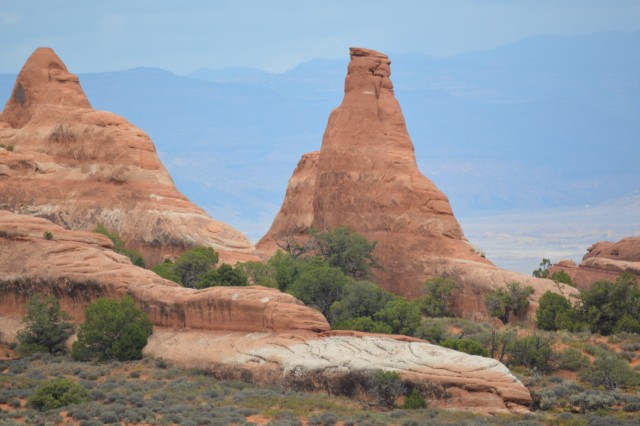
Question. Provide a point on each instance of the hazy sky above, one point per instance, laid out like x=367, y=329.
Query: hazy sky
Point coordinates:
x=182, y=36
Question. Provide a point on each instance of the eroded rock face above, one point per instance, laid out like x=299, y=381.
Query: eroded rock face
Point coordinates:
x=604, y=261
x=365, y=177
x=78, y=167
x=249, y=333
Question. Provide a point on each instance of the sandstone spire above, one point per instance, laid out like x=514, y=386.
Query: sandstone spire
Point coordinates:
x=365, y=177
x=78, y=167
x=44, y=79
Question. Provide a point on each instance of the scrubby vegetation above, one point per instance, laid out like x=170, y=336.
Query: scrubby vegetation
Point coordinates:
x=113, y=330
x=46, y=327
x=119, y=245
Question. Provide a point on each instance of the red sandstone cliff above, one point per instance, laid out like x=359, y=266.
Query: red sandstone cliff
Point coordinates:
x=78, y=167
x=365, y=177
x=604, y=261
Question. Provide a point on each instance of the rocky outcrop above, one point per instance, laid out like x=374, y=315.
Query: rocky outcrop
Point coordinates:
x=365, y=177
x=250, y=333
x=604, y=261
x=79, y=167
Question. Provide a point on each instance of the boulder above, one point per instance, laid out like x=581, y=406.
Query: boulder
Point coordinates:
x=79, y=167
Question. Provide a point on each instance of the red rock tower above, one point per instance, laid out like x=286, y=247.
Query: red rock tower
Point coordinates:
x=78, y=167
x=365, y=177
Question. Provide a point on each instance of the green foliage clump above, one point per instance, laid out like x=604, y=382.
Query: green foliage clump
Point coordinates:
x=514, y=300
x=192, y=264
x=610, y=372
x=360, y=299
x=259, y=273
x=57, y=393
x=46, y=327
x=112, y=331
x=225, y=275
x=401, y=315
x=573, y=360
x=591, y=401
x=437, y=297
x=287, y=269
x=414, y=401
x=165, y=270
x=543, y=270
x=386, y=386
x=363, y=324
x=319, y=286
x=119, y=245
x=553, y=310
x=609, y=308
x=562, y=277
x=347, y=250
x=48, y=235
x=468, y=346
x=534, y=352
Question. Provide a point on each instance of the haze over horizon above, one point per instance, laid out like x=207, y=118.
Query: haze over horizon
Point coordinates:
x=276, y=36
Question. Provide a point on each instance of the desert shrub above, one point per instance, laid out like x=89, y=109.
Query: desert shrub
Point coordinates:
x=593, y=400
x=344, y=249
x=46, y=327
x=165, y=270
x=573, y=360
x=562, y=277
x=436, y=301
x=192, y=264
x=319, y=286
x=534, y=352
x=224, y=275
x=501, y=303
x=259, y=273
x=468, y=346
x=363, y=324
x=609, y=308
x=112, y=331
x=610, y=372
x=401, y=315
x=56, y=394
x=631, y=407
x=287, y=269
x=48, y=235
x=119, y=245
x=386, y=387
x=431, y=331
x=414, y=401
x=360, y=299
x=551, y=305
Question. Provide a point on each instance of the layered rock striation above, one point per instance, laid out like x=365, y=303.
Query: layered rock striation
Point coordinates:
x=79, y=167
x=249, y=333
x=603, y=261
x=365, y=177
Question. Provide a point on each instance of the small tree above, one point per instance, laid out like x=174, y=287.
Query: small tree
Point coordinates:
x=535, y=352
x=46, y=327
x=386, y=387
x=194, y=263
x=551, y=306
x=119, y=245
x=611, y=372
x=112, y=331
x=403, y=316
x=225, y=275
x=414, y=401
x=437, y=297
x=543, y=270
x=514, y=299
x=344, y=249
x=360, y=299
x=320, y=286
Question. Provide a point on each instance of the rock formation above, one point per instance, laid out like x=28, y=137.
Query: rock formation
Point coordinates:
x=365, y=177
x=604, y=261
x=78, y=167
x=250, y=333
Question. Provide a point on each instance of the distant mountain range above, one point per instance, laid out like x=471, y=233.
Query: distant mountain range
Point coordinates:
x=549, y=122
